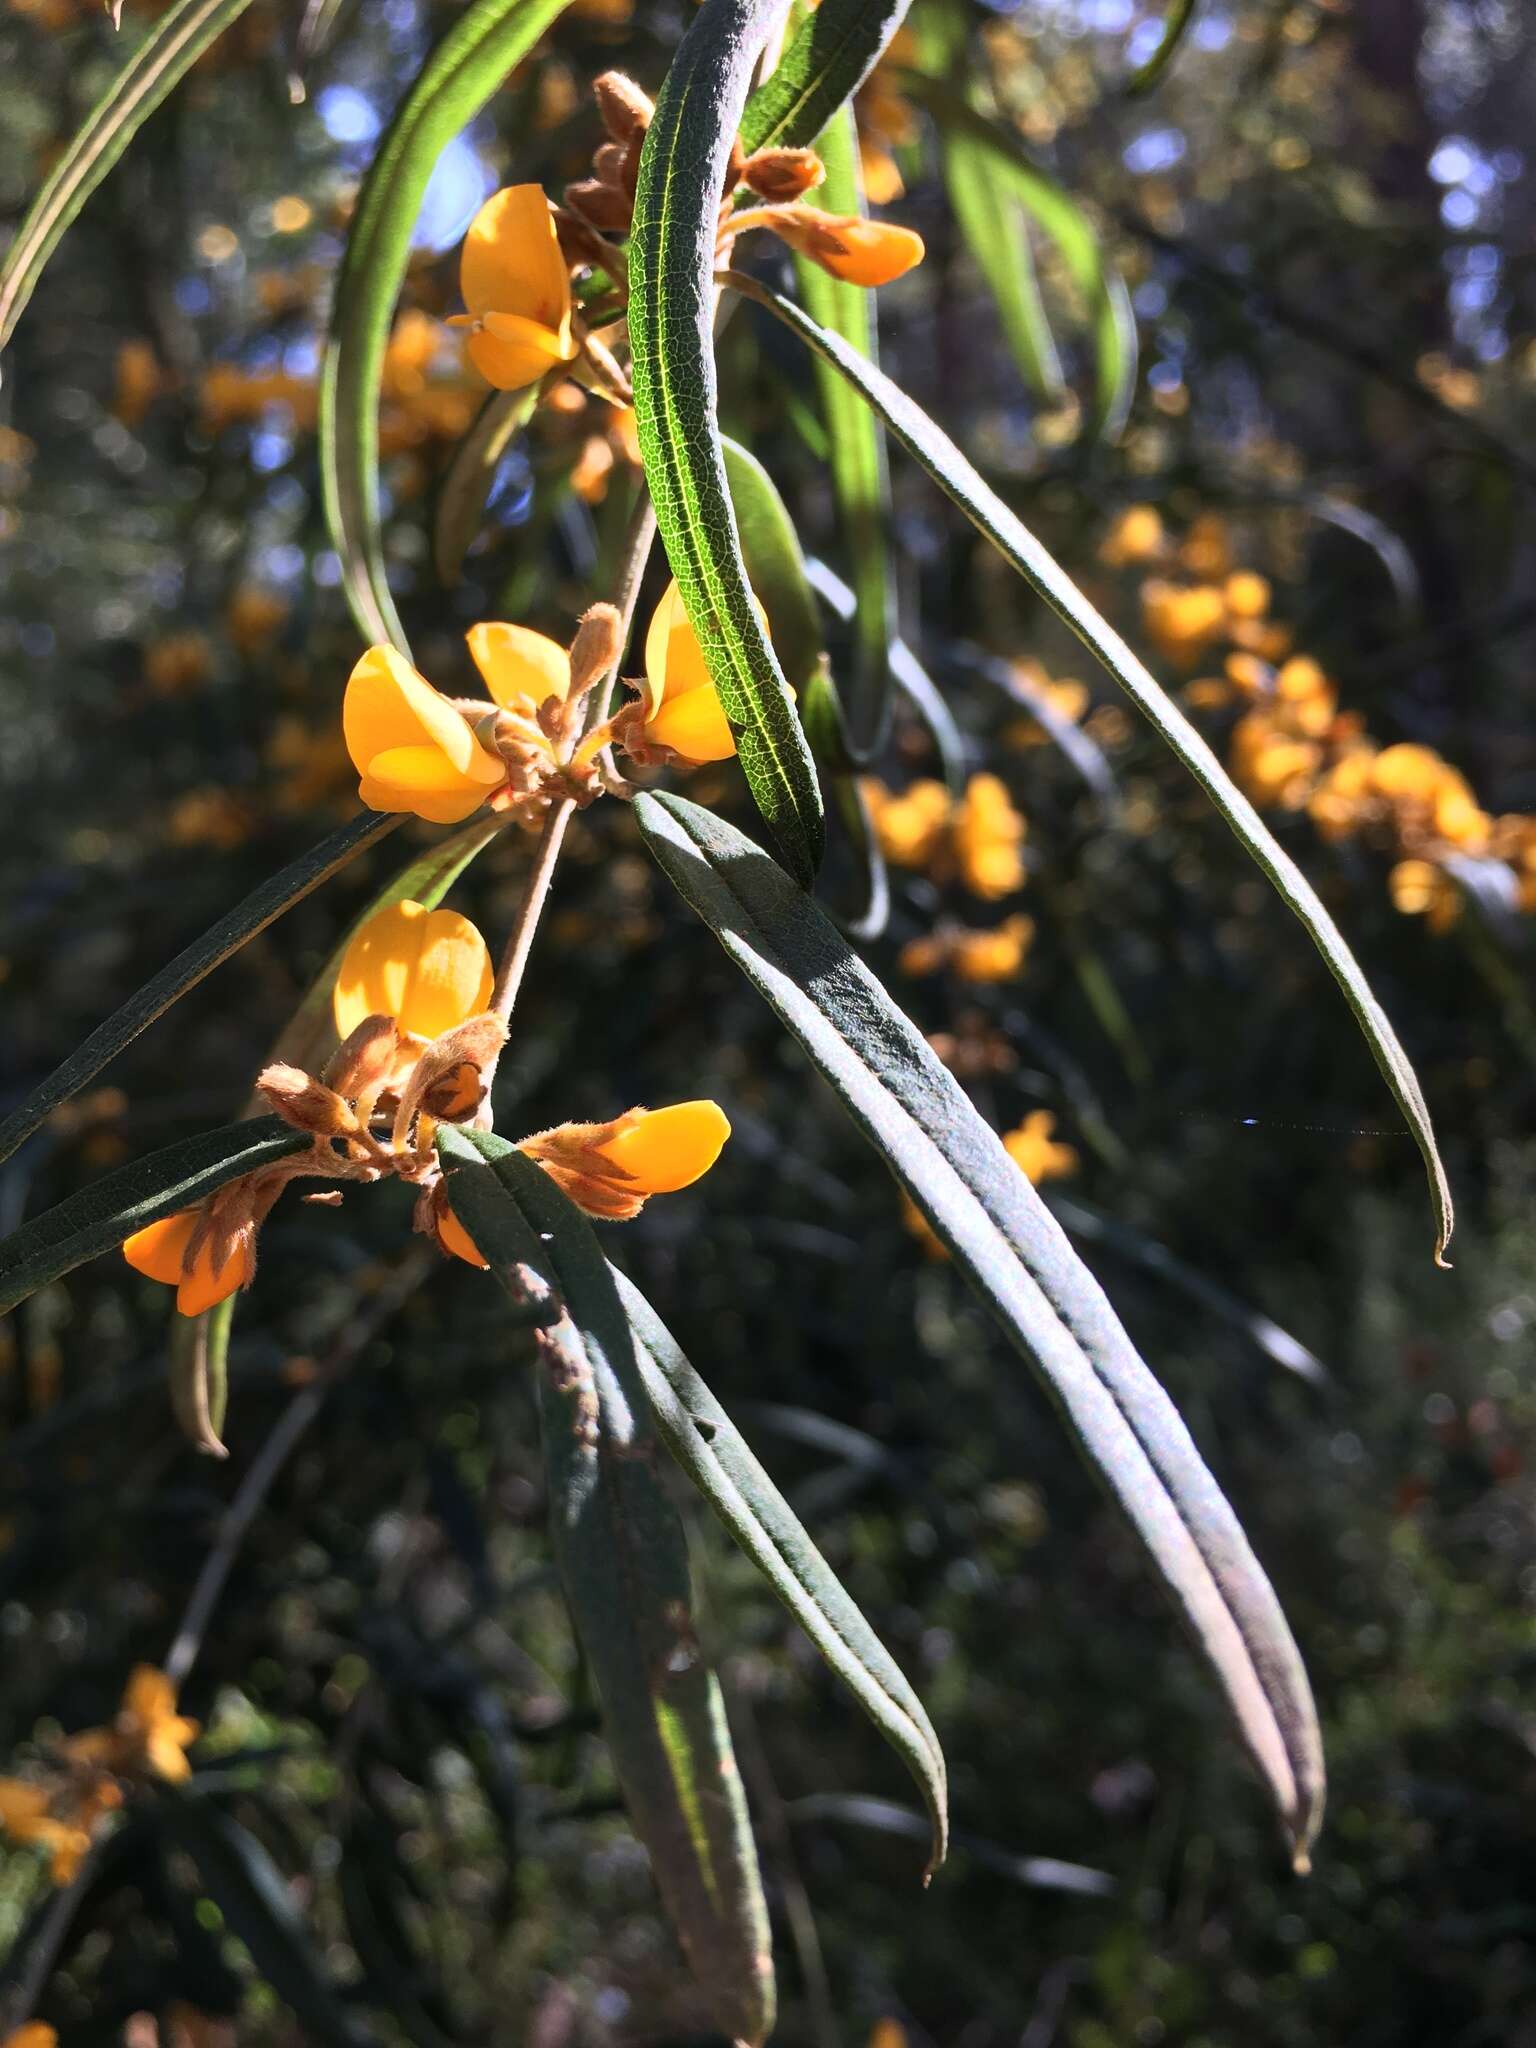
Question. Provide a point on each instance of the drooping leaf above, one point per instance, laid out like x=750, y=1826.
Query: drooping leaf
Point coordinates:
x=160, y=62
x=1021, y=1266
x=856, y=453
x=114, y=1207
x=624, y=1561
x=260, y=1909
x=824, y=63
x=938, y=455
x=267, y=901
x=461, y=500
x=708, y=1446
x=672, y=297
x=1059, y=217
x=466, y=68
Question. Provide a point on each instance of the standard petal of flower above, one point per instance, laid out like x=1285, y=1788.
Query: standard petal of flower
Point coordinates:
x=511, y=261
x=674, y=660
x=156, y=1251
x=388, y=705
x=670, y=1148
x=521, y=668
x=511, y=351
x=419, y=780
x=453, y=1237
x=428, y=969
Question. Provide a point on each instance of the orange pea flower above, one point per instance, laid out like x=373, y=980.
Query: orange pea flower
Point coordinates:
x=412, y=749
x=517, y=286
x=159, y=1252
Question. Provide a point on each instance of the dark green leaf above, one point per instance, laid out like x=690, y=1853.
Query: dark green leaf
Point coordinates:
x=1175, y=25
x=461, y=501
x=1016, y=1258
x=829, y=57
x=932, y=447
x=120, y=1203
x=625, y=1564
x=706, y=1443
x=672, y=297
x=467, y=67
x=163, y=58
x=287, y=887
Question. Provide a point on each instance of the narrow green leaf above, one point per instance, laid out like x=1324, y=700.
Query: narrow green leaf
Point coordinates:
x=161, y=60
x=266, y=902
x=102, y=1215
x=1060, y=217
x=861, y=489
x=461, y=501
x=988, y=217
x=770, y=548
x=933, y=449
x=672, y=296
x=308, y=1037
x=825, y=728
x=199, y=1374
x=1175, y=25
x=624, y=1560
x=825, y=62
x=466, y=68
x=1019, y=1262
x=710, y=1449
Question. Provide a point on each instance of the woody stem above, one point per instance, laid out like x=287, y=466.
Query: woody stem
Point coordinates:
x=514, y=960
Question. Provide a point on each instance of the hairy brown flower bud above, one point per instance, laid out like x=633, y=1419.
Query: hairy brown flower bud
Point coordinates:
x=365, y=1059
x=783, y=174
x=448, y=1081
x=606, y=207
x=625, y=110
x=595, y=649
x=299, y=1099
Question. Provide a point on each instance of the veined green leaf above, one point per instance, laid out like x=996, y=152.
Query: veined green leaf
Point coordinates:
x=1060, y=217
x=461, y=501
x=114, y=1207
x=824, y=64
x=624, y=1560
x=1016, y=1257
x=672, y=296
x=932, y=447
x=856, y=460
x=708, y=1446
x=988, y=217
x=466, y=68
x=308, y=1037
x=1175, y=24
x=266, y=902
x=775, y=567
x=159, y=63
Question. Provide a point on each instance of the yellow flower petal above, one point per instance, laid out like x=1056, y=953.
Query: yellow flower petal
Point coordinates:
x=674, y=660
x=389, y=705
x=428, y=969
x=156, y=1251
x=670, y=1148
x=695, y=726
x=420, y=780
x=873, y=252
x=512, y=262
x=511, y=351
x=521, y=668
x=203, y=1288
x=453, y=1237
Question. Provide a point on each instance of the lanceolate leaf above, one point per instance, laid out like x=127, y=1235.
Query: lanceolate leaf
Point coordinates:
x=1063, y=220
x=856, y=458
x=932, y=447
x=466, y=68
x=162, y=59
x=287, y=887
x=461, y=501
x=120, y=1203
x=672, y=296
x=823, y=65
x=1015, y=1256
x=775, y=567
x=624, y=1560
x=1175, y=24
x=705, y=1442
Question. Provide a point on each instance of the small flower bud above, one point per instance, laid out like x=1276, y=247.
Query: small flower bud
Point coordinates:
x=609, y=162
x=625, y=110
x=582, y=246
x=299, y=1099
x=605, y=207
x=595, y=649
x=365, y=1059
x=448, y=1081
x=781, y=174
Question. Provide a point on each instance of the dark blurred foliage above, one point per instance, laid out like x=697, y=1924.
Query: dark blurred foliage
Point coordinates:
x=1325, y=213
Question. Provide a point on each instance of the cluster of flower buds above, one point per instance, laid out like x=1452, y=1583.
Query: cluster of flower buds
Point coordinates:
x=419, y=1042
